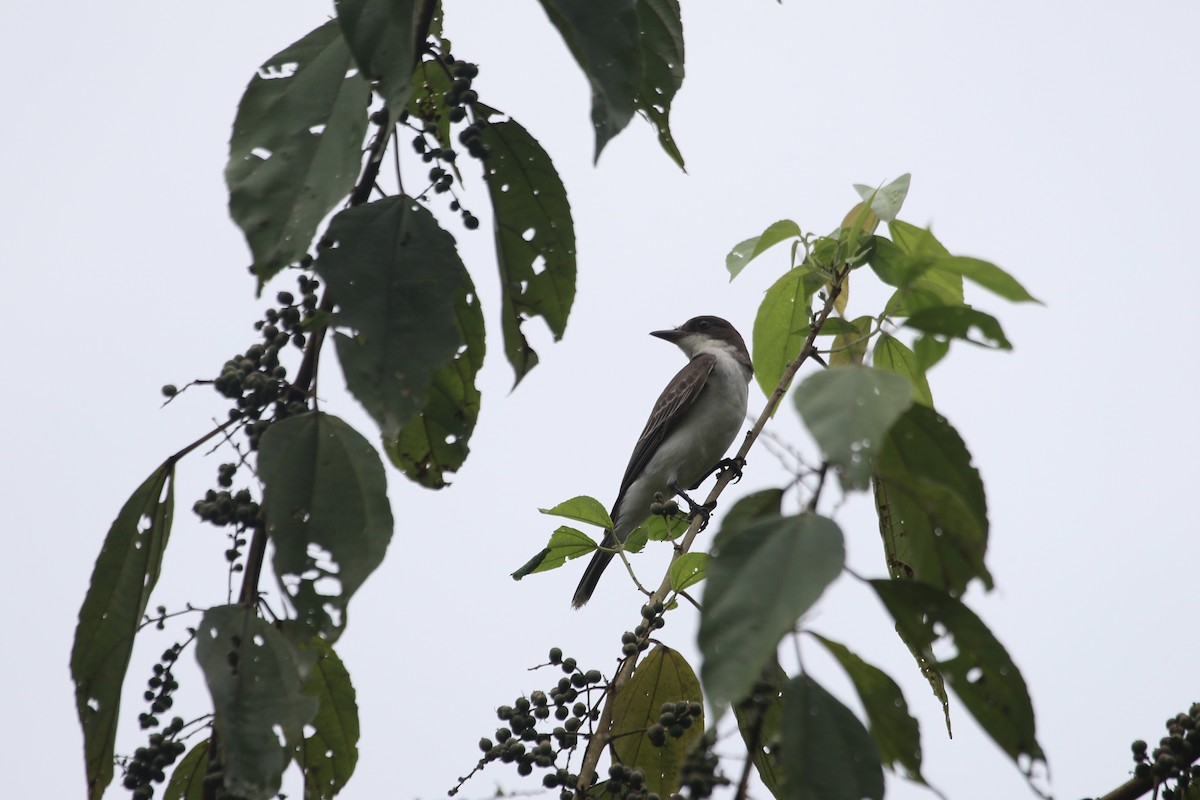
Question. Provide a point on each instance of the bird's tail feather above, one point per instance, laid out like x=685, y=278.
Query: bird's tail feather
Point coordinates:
x=591, y=576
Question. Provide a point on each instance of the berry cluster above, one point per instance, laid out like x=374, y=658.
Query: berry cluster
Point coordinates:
x=637, y=640
x=628, y=783
x=148, y=764
x=699, y=773
x=674, y=719
x=162, y=685
x=1172, y=759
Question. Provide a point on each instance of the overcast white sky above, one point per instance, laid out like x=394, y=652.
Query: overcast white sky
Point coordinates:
x=1056, y=139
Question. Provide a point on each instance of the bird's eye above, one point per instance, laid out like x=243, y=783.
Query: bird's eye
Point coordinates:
x=703, y=324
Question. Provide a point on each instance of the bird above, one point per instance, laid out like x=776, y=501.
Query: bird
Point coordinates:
x=691, y=427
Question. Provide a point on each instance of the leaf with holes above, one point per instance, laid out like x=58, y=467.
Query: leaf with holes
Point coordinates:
x=745, y=252
x=327, y=512
x=382, y=34
x=741, y=624
x=125, y=574
x=663, y=676
x=296, y=147
x=782, y=325
x=603, y=38
x=398, y=282
x=849, y=410
x=187, y=779
x=254, y=675
x=980, y=671
x=565, y=543
x=828, y=753
x=329, y=755
x=435, y=442
x=535, y=237
x=661, y=43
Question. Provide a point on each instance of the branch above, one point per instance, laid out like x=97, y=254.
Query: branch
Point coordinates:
x=600, y=740
x=1130, y=789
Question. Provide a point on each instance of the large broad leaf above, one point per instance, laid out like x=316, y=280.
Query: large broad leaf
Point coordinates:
x=122, y=580
x=328, y=755
x=254, y=675
x=565, y=543
x=892, y=355
x=895, y=731
x=980, y=670
x=326, y=506
x=535, y=237
x=741, y=624
x=436, y=441
x=782, y=325
x=931, y=503
x=663, y=676
x=662, y=73
x=827, y=752
x=396, y=278
x=382, y=36
x=187, y=779
x=758, y=719
x=849, y=410
x=745, y=252
x=960, y=322
x=603, y=38
x=296, y=146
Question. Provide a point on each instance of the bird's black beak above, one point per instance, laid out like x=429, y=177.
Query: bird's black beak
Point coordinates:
x=673, y=335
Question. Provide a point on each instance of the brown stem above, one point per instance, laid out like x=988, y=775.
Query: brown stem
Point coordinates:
x=600, y=740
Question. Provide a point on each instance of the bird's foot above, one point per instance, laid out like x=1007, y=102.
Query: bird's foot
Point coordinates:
x=734, y=464
x=702, y=510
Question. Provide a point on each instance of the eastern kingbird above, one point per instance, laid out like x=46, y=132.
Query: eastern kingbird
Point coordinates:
x=692, y=425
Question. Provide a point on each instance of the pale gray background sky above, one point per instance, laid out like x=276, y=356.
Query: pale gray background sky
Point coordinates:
x=1056, y=139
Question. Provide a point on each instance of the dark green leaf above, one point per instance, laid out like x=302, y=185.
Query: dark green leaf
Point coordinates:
x=891, y=354
x=741, y=624
x=931, y=503
x=124, y=576
x=782, y=325
x=396, y=278
x=663, y=676
x=765, y=503
x=887, y=200
x=187, y=779
x=565, y=543
x=603, y=38
x=758, y=721
x=930, y=349
x=327, y=512
x=296, y=146
x=850, y=346
x=907, y=263
x=535, y=237
x=254, y=675
x=329, y=755
x=987, y=275
x=745, y=252
x=582, y=509
x=960, y=322
x=849, y=410
x=895, y=731
x=662, y=74
x=436, y=441
x=827, y=752
x=382, y=36
x=688, y=570
x=980, y=671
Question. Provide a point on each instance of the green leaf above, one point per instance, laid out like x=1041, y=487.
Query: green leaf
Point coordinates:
x=980, y=670
x=764, y=711
x=895, y=731
x=582, y=509
x=436, y=441
x=565, y=543
x=660, y=528
x=254, y=675
x=892, y=355
x=915, y=240
x=745, y=252
x=762, y=504
x=930, y=349
x=535, y=237
x=907, y=263
x=187, y=779
x=827, y=752
x=781, y=325
x=603, y=38
x=329, y=755
x=741, y=624
x=125, y=574
x=887, y=200
x=960, y=322
x=987, y=275
x=849, y=410
x=382, y=36
x=931, y=503
x=427, y=102
x=661, y=43
x=327, y=513
x=836, y=326
x=296, y=147
x=663, y=676
x=688, y=570
x=850, y=346
x=396, y=278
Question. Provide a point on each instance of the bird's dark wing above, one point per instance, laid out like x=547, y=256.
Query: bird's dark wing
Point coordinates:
x=679, y=395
